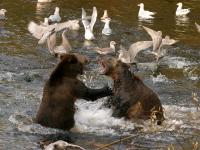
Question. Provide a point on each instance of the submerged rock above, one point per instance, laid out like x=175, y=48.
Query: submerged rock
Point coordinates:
x=62, y=145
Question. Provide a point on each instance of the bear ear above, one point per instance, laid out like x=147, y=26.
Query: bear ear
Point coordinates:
x=61, y=57
x=82, y=58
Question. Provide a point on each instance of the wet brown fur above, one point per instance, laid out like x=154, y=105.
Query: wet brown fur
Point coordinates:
x=132, y=98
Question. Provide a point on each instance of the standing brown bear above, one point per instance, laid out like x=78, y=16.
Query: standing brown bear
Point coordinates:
x=132, y=98
x=61, y=91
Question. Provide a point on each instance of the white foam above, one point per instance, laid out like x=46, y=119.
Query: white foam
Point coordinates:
x=24, y=123
x=91, y=117
x=7, y=76
x=180, y=116
x=191, y=74
x=178, y=62
x=160, y=78
x=176, y=117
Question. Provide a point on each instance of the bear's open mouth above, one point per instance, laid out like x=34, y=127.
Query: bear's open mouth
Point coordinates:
x=102, y=68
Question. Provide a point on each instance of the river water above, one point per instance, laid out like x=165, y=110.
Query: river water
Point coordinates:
x=25, y=66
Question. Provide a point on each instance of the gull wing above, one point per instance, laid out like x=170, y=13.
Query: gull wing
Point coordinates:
x=40, y=32
x=60, y=26
x=156, y=37
x=150, y=13
x=135, y=48
x=65, y=42
x=124, y=56
x=105, y=50
x=36, y=30
x=84, y=18
x=51, y=42
x=186, y=11
x=45, y=35
x=84, y=15
x=168, y=41
x=198, y=26
x=94, y=18
x=67, y=24
x=43, y=32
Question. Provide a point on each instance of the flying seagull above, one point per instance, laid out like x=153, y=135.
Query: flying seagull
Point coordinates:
x=158, y=41
x=43, y=32
x=65, y=46
x=128, y=56
x=89, y=25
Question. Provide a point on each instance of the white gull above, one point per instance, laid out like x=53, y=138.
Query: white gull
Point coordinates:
x=145, y=14
x=180, y=11
x=2, y=14
x=56, y=16
x=89, y=25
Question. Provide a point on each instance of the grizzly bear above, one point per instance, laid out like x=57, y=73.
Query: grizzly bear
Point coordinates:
x=131, y=99
x=61, y=91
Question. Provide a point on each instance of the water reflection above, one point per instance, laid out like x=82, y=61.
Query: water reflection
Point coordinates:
x=182, y=21
x=42, y=9
x=88, y=44
x=141, y=21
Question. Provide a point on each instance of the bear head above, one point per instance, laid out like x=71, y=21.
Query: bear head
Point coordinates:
x=70, y=65
x=112, y=67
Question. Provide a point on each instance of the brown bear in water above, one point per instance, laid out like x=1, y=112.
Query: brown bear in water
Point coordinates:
x=61, y=91
x=132, y=98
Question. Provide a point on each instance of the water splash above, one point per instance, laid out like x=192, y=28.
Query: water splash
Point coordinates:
x=92, y=117
x=178, y=62
x=160, y=78
x=25, y=123
x=7, y=76
x=192, y=73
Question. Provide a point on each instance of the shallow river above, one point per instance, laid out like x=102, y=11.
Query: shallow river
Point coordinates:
x=25, y=66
